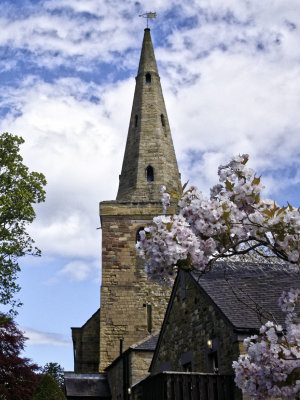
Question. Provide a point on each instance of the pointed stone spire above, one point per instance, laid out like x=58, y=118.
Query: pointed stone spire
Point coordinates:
x=149, y=160
x=147, y=60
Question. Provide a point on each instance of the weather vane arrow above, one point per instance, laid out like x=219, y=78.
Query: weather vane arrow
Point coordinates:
x=148, y=15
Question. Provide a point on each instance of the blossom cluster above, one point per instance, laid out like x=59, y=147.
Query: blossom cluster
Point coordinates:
x=235, y=220
x=271, y=367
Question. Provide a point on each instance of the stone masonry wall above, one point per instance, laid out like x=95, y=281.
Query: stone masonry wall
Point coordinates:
x=126, y=290
x=86, y=343
x=149, y=140
x=115, y=380
x=140, y=362
x=192, y=321
x=138, y=366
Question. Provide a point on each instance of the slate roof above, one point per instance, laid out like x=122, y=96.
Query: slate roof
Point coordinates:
x=87, y=385
x=146, y=344
x=149, y=344
x=239, y=290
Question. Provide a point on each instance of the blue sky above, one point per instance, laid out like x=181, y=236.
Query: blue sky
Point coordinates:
x=230, y=73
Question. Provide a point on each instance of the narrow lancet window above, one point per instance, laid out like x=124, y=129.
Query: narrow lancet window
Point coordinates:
x=149, y=318
x=148, y=78
x=150, y=174
x=136, y=118
x=162, y=117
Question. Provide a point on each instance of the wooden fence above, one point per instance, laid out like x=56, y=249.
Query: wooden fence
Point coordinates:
x=186, y=386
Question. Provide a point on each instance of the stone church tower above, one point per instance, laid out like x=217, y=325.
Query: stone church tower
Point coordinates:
x=131, y=305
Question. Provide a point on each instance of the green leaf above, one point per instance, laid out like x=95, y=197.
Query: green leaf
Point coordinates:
x=256, y=181
x=229, y=185
x=169, y=226
x=257, y=198
x=281, y=210
x=20, y=189
x=226, y=215
x=268, y=213
x=184, y=186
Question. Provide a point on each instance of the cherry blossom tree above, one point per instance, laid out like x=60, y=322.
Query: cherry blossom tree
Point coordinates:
x=234, y=223
x=271, y=367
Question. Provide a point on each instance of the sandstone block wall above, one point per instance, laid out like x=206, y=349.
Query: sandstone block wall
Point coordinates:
x=126, y=291
x=115, y=377
x=192, y=321
x=86, y=344
x=148, y=143
x=149, y=140
x=138, y=363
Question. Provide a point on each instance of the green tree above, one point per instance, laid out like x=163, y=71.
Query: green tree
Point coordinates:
x=56, y=371
x=48, y=389
x=20, y=189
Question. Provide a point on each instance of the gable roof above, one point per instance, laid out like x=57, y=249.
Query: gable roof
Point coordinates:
x=239, y=291
x=147, y=344
x=242, y=291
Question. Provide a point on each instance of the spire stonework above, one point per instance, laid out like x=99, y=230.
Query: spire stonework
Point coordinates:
x=131, y=305
x=149, y=141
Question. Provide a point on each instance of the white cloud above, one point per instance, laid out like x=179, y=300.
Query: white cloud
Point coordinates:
x=36, y=337
x=237, y=99
x=239, y=106
x=79, y=270
x=56, y=32
x=220, y=101
x=79, y=146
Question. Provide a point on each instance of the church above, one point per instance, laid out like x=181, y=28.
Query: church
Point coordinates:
x=146, y=341
x=132, y=307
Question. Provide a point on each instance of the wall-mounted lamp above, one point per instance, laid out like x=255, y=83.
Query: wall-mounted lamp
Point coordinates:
x=209, y=344
x=129, y=390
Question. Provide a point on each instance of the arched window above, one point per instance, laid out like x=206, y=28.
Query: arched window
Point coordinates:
x=162, y=117
x=136, y=118
x=150, y=173
x=148, y=78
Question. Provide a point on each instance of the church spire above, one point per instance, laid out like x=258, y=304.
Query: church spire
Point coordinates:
x=147, y=59
x=149, y=160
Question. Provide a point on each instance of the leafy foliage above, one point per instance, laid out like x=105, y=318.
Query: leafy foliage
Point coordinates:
x=48, y=389
x=56, y=371
x=17, y=375
x=19, y=190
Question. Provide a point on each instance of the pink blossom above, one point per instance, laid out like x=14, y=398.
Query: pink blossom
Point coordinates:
x=235, y=221
x=273, y=358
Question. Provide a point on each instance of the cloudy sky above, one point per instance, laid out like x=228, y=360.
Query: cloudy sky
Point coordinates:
x=230, y=73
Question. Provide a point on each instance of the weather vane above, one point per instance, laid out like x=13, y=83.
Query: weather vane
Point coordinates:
x=148, y=15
